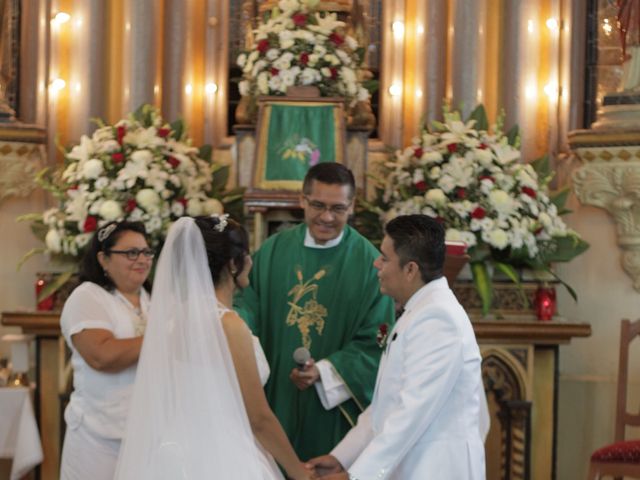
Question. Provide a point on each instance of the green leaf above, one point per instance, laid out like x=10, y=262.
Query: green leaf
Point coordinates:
x=438, y=126
x=29, y=217
x=232, y=198
x=235, y=192
x=54, y=286
x=177, y=127
x=139, y=113
x=39, y=230
x=513, y=136
x=479, y=114
x=29, y=254
x=371, y=85
x=571, y=291
x=542, y=167
x=483, y=284
x=559, y=199
x=564, y=249
x=205, y=152
x=512, y=274
x=220, y=178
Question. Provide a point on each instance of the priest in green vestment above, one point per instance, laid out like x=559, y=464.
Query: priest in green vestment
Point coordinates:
x=315, y=286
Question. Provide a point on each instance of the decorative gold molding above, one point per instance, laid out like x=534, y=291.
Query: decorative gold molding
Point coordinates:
x=610, y=179
x=22, y=153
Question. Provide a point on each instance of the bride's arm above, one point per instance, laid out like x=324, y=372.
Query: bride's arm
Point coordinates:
x=264, y=424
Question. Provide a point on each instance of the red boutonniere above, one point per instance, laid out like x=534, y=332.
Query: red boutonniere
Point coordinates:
x=383, y=334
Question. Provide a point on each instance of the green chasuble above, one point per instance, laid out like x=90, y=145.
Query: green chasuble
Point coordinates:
x=329, y=301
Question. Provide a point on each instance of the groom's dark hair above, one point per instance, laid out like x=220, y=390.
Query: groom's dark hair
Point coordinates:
x=419, y=239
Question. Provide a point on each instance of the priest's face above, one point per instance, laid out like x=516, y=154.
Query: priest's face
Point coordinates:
x=326, y=210
x=391, y=275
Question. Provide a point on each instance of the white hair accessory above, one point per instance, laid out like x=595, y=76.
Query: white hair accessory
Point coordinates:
x=222, y=221
x=104, y=233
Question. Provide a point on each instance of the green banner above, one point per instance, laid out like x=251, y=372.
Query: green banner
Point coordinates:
x=298, y=138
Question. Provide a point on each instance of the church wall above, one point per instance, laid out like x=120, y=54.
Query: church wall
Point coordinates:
x=17, y=287
x=589, y=366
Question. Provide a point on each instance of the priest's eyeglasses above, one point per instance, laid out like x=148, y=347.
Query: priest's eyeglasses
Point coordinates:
x=339, y=209
x=134, y=253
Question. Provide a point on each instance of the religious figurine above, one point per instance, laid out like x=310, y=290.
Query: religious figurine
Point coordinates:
x=7, y=62
x=629, y=24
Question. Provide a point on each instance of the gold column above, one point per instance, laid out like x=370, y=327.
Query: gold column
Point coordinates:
x=467, y=53
x=410, y=108
x=436, y=58
x=115, y=47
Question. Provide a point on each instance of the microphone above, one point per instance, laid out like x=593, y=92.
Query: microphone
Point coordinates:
x=301, y=356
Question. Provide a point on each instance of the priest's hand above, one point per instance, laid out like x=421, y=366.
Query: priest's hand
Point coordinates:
x=304, y=378
x=327, y=465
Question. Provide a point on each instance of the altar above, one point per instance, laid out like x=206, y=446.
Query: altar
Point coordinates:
x=520, y=371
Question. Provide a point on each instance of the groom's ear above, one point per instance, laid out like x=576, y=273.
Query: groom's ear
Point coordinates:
x=412, y=269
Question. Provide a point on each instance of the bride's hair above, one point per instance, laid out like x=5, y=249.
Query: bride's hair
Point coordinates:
x=230, y=244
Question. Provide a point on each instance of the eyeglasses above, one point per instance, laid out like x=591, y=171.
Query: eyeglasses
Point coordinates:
x=338, y=209
x=134, y=253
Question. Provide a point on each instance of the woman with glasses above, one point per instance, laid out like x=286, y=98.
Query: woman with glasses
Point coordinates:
x=103, y=321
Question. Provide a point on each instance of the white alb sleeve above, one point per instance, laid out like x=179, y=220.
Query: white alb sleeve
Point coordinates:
x=331, y=388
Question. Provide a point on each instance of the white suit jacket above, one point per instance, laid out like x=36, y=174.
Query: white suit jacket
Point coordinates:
x=423, y=421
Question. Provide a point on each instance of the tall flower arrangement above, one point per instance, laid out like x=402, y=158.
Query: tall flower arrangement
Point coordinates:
x=472, y=179
x=140, y=169
x=300, y=46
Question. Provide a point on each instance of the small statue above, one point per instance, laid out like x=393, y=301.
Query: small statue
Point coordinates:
x=7, y=62
x=629, y=24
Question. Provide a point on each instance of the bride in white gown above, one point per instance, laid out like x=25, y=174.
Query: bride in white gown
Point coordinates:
x=198, y=409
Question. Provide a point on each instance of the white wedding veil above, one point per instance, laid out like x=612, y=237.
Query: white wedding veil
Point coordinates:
x=187, y=419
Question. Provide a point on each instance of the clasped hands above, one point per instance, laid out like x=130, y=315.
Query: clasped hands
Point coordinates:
x=304, y=377
x=327, y=467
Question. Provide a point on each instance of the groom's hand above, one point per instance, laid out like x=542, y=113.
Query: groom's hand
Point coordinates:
x=304, y=378
x=337, y=476
x=326, y=465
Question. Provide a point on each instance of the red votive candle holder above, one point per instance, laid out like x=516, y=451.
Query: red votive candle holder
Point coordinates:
x=47, y=303
x=545, y=302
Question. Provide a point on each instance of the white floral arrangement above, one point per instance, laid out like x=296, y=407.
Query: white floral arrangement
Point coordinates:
x=300, y=46
x=474, y=181
x=140, y=169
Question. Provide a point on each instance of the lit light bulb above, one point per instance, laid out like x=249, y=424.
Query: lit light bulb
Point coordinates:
x=553, y=24
x=420, y=29
x=552, y=90
x=530, y=91
x=211, y=88
x=60, y=18
x=418, y=93
x=530, y=26
x=398, y=29
x=395, y=90
x=57, y=84
x=607, y=28
x=188, y=89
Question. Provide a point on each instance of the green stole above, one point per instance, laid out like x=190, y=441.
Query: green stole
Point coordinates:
x=329, y=301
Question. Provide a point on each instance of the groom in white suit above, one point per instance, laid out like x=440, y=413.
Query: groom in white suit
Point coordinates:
x=423, y=421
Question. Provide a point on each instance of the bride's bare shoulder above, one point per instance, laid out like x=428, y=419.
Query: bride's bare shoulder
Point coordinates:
x=233, y=324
